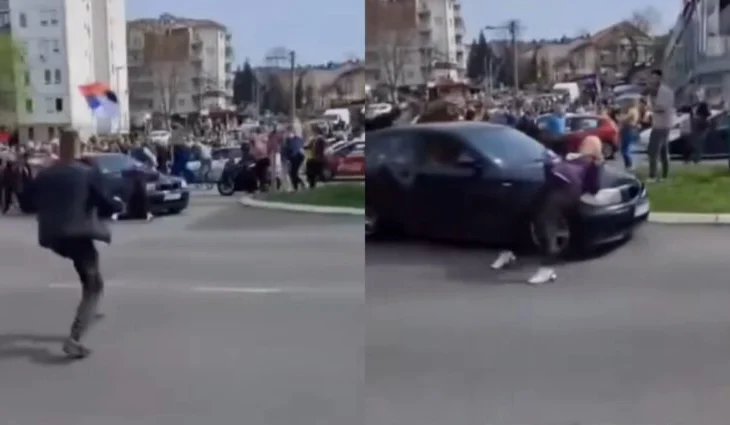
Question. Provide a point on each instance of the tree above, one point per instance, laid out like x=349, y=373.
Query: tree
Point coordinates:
x=474, y=63
x=11, y=85
x=646, y=19
x=393, y=52
x=244, y=85
x=165, y=48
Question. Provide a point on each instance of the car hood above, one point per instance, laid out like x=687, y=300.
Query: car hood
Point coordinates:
x=610, y=176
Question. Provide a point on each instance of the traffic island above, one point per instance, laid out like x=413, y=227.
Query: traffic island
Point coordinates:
x=693, y=194
x=343, y=198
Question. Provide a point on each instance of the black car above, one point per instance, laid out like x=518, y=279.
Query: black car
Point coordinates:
x=166, y=194
x=479, y=181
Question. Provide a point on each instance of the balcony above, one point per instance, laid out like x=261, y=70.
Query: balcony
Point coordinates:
x=424, y=12
x=424, y=29
x=457, y=6
x=229, y=51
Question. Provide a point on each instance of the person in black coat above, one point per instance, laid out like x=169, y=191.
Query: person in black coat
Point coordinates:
x=72, y=204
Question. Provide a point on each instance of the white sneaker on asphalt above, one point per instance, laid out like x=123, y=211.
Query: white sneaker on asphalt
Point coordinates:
x=115, y=217
x=543, y=275
x=504, y=259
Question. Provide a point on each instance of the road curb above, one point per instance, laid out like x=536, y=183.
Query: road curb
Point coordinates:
x=688, y=218
x=283, y=206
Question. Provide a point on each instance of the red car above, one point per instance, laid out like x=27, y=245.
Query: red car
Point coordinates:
x=346, y=161
x=580, y=126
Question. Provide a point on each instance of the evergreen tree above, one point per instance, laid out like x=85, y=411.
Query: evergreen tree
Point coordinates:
x=245, y=85
x=474, y=64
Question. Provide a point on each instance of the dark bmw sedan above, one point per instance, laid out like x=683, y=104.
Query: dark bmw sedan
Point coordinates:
x=166, y=194
x=483, y=182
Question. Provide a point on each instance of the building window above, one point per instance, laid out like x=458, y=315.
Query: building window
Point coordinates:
x=4, y=19
x=50, y=105
x=31, y=133
x=27, y=78
x=47, y=76
x=44, y=18
x=53, y=15
x=56, y=46
x=57, y=76
x=29, y=106
x=23, y=20
x=59, y=104
x=181, y=103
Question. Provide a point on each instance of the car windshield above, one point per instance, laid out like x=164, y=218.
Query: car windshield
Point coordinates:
x=506, y=146
x=116, y=163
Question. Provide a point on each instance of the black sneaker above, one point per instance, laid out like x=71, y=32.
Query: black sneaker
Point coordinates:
x=75, y=350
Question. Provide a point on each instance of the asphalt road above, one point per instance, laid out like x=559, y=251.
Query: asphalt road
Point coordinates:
x=224, y=315
x=637, y=336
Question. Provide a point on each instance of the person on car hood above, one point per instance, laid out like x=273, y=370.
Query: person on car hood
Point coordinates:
x=568, y=181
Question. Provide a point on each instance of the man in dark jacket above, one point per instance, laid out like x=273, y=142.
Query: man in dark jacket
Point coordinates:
x=72, y=201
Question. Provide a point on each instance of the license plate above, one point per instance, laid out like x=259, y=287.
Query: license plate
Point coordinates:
x=172, y=196
x=641, y=209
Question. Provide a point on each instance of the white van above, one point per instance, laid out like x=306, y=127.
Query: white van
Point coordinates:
x=571, y=89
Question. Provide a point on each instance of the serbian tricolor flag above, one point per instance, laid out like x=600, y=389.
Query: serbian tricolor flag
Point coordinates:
x=101, y=99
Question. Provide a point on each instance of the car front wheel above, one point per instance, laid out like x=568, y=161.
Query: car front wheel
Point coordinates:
x=560, y=236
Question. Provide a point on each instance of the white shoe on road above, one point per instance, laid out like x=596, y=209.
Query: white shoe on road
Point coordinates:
x=543, y=275
x=504, y=259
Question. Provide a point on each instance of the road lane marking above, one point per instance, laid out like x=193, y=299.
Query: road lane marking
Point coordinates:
x=237, y=290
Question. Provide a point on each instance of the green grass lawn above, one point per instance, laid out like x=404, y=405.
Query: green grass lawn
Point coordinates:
x=692, y=189
x=350, y=195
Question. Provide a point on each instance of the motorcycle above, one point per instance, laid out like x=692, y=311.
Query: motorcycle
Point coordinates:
x=237, y=177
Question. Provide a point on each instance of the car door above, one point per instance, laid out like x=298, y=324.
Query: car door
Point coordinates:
x=389, y=176
x=445, y=174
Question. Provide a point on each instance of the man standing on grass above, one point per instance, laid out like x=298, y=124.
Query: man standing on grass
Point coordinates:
x=662, y=103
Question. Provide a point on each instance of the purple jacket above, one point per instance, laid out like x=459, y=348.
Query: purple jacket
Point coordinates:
x=579, y=174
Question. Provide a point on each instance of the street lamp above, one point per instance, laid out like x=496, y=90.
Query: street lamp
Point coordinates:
x=512, y=27
x=281, y=54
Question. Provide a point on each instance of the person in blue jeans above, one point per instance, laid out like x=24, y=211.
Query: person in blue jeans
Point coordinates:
x=555, y=128
x=629, y=135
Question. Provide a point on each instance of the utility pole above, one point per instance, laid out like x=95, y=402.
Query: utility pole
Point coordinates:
x=293, y=76
x=513, y=28
x=278, y=55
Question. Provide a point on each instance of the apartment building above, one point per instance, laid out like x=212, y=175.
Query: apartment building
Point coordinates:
x=179, y=65
x=410, y=42
x=698, y=51
x=65, y=44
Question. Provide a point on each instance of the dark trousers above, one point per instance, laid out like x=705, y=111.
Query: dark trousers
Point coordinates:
x=295, y=164
x=85, y=258
x=313, y=170
x=261, y=171
x=8, y=193
x=139, y=203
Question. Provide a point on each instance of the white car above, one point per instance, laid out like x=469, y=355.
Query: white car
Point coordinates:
x=680, y=127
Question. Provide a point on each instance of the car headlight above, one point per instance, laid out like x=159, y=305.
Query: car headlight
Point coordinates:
x=603, y=197
x=150, y=187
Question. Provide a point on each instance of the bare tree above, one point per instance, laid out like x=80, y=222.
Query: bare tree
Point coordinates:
x=167, y=54
x=393, y=53
x=646, y=19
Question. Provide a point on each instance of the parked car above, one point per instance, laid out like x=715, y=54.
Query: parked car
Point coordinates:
x=483, y=182
x=580, y=126
x=346, y=161
x=716, y=145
